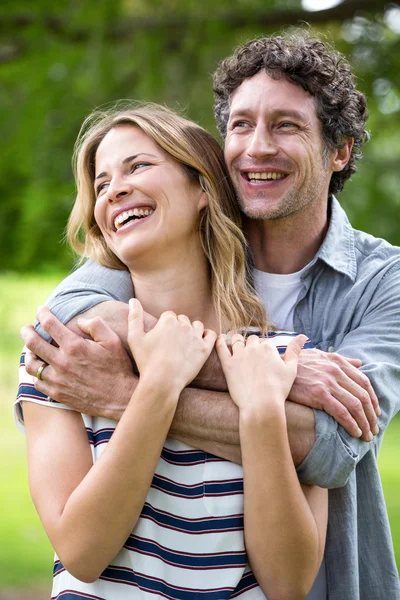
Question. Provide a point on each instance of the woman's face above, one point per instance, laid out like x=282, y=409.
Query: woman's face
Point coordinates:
x=145, y=204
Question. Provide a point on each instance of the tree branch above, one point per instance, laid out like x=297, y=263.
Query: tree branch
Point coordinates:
x=235, y=19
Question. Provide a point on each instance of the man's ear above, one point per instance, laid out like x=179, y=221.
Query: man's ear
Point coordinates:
x=341, y=156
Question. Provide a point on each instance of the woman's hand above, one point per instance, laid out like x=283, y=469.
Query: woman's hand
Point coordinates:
x=173, y=352
x=254, y=370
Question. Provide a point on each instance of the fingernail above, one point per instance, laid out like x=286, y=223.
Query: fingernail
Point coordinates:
x=378, y=411
x=369, y=437
x=375, y=430
x=132, y=303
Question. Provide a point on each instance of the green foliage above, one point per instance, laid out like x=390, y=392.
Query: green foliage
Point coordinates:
x=58, y=61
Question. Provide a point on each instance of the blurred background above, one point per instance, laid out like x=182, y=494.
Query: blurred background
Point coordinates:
x=58, y=61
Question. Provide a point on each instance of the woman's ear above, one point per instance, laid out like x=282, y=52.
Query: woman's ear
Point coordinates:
x=203, y=197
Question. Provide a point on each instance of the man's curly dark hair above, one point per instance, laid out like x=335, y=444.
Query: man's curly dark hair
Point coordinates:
x=319, y=69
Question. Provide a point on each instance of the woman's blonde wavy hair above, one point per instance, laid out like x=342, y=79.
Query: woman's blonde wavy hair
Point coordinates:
x=202, y=159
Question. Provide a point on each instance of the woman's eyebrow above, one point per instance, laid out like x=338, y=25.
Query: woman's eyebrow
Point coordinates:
x=126, y=160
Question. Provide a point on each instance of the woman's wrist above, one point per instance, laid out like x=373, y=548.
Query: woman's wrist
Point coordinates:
x=264, y=414
x=160, y=387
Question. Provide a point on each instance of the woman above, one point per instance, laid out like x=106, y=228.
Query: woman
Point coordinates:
x=136, y=514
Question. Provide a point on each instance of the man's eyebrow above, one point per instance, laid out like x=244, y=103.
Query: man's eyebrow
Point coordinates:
x=240, y=112
x=126, y=160
x=279, y=112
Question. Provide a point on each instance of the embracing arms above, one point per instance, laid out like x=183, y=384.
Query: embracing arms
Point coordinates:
x=88, y=510
x=97, y=379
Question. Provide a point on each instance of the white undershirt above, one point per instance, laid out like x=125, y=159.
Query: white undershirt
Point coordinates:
x=279, y=294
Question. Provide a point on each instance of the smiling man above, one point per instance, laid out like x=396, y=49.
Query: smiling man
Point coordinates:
x=293, y=125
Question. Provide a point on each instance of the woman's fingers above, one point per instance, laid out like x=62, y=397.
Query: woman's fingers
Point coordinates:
x=222, y=348
x=97, y=328
x=209, y=337
x=238, y=343
x=199, y=328
x=293, y=350
x=135, y=320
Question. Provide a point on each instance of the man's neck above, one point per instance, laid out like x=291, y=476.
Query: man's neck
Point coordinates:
x=286, y=245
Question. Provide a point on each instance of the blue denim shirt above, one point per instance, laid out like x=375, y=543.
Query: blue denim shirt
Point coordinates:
x=350, y=303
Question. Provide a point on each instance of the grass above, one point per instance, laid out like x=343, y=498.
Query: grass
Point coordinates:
x=25, y=553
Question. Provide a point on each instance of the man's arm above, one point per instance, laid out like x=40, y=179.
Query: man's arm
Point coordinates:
x=376, y=341
x=85, y=288
x=68, y=388
x=95, y=377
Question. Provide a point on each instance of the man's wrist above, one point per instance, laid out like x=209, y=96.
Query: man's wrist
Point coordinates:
x=124, y=391
x=211, y=376
x=301, y=430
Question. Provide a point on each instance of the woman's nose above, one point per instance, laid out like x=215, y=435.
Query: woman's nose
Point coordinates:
x=118, y=190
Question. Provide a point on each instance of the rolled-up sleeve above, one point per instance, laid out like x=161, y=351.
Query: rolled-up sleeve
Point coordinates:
x=331, y=460
x=86, y=287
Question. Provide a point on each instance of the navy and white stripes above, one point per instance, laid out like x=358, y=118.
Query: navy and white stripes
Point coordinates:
x=188, y=543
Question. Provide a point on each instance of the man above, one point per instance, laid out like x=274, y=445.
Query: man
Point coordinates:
x=293, y=125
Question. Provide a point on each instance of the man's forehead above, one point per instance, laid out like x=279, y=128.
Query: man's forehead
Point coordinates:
x=264, y=91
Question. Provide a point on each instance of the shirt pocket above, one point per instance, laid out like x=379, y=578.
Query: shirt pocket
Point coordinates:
x=332, y=344
x=222, y=487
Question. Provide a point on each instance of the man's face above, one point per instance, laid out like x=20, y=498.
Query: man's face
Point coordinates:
x=274, y=149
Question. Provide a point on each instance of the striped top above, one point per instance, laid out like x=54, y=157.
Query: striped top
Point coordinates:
x=188, y=543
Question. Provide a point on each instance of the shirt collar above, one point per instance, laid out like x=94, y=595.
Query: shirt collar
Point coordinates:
x=337, y=249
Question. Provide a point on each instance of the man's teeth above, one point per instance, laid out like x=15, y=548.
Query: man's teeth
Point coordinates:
x=266, y=176
x=128, y=214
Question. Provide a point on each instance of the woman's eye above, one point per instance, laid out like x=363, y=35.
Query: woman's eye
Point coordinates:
x=139, y=165
x=100, y=188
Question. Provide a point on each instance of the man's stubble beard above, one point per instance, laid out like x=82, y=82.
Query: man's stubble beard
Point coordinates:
x=294, y=201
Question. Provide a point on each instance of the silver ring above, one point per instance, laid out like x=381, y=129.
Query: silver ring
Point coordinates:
x=41, y=369
x=236, y=341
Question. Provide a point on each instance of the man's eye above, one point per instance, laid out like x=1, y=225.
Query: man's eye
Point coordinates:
x=239, y=124
x=287, y=125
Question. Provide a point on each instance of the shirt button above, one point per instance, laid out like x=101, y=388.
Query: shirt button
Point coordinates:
x=331, y=349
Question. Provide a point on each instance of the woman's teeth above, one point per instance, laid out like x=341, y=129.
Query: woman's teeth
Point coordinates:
x=134, y=213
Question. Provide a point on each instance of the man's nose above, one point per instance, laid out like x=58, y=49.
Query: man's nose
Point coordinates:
x=261, y=143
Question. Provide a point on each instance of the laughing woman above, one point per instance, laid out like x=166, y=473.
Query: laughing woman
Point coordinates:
x=130, y=512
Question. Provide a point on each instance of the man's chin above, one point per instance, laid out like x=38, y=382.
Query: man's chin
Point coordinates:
x=262, y=213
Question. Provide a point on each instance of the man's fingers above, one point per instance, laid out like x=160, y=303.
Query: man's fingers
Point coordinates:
x=33, y=364
x=363, y=414
x=355, y=362
x=351, y=366
x=37, y=344
x=340, y=413
x=359, y=385
x=61, y=334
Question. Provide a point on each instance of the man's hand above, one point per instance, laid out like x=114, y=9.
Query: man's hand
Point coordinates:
x=330, y=382
x=92, y=376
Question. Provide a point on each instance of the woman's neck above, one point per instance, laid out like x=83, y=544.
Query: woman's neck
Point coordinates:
x=183, y=287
